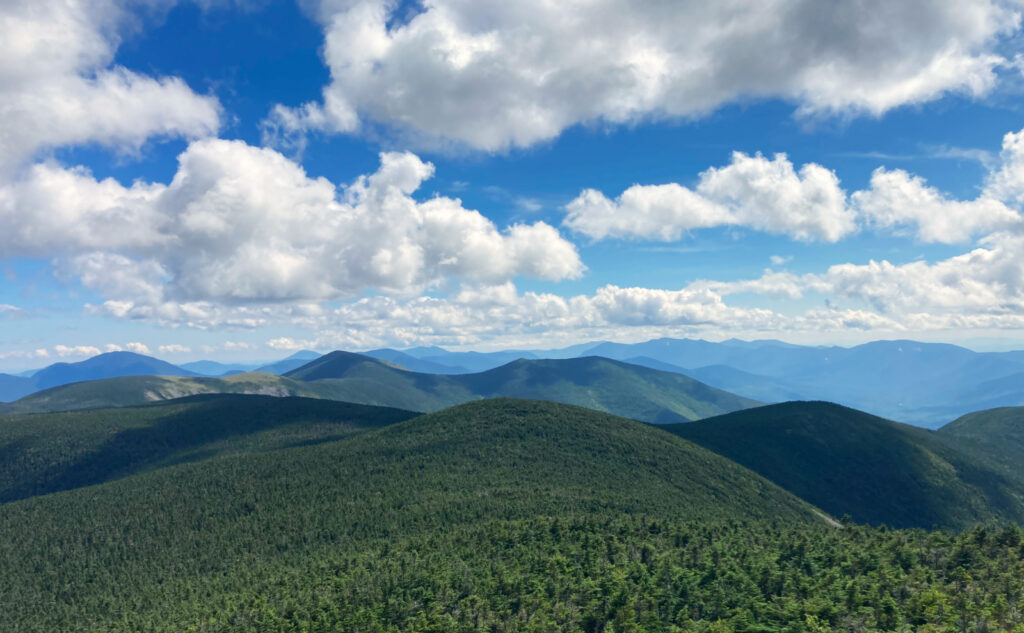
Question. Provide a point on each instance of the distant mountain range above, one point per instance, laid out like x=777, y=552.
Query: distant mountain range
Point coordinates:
x=924, y=384
x=598, y=383
x=122, y=364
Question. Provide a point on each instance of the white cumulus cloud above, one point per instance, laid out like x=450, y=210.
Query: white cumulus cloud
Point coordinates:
x=492, y=74
x=244, y=225
x=751, y=191
x=59, y=87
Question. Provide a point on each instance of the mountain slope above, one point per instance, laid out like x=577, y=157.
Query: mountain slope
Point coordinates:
x=285, y=365
x=139, y=390
x=997, y=434
x=606, y=385
x=14, y=387
x=43, y=453
x=110, y=365
x=596, y=383
x=922, y=383
x=851, y=463
x=200, y=542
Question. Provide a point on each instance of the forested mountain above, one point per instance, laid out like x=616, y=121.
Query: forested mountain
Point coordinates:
x=220, y=543
x=994, y=434
x=851, y=463
x=46, y=452
x=598, y=383
x=498, y=515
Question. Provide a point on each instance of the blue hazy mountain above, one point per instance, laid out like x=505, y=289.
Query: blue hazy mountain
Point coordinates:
x=926, y=384
x=214, y=368
x=14, y=387
x=412, y=363
x=296, y=360
x=110, y=365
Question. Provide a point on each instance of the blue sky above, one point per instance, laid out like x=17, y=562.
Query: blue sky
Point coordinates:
x=237, y=180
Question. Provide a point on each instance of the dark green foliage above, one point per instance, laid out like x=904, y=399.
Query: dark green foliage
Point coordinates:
x=597, y=383
x=851, y=463
x=494, y=516
x=47, y=452
x=995, y=434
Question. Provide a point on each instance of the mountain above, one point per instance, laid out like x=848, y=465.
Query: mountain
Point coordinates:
x=44, y=453
x=730, y=379
x=597, y=383
x=413, y=363
x=110, y=365
x=997, y=434
x=851, y=463
x=14, y=387
x=475, y=361
x=132, y=391
x=215, y=369
x=283, y=366
x=606, y=385
x=926, y=384
x=501, y=515
x=206, y=544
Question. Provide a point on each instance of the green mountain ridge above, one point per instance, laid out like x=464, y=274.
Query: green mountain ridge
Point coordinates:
x=597, y=383
x=852, y=463
x=42, y=453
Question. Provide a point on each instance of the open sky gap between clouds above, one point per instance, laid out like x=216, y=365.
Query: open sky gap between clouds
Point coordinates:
x=242, y=237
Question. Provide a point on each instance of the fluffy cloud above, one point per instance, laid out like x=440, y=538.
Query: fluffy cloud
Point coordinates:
x=245, y=225
x=493, y=75
x=174, y=348
x=809, y=204
x=1007, y=182
x=65, y=351
x=58, y=87
x=898, y=199
x=752, y=191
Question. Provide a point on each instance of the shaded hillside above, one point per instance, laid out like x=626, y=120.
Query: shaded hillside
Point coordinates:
x=851, y=463
x=46, y=452
x=997, y=434
x=214, y=540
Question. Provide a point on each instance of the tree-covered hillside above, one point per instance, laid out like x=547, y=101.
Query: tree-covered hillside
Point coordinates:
x=992, y=434
x=851, y=463
x=503, y=515
x=46, y=452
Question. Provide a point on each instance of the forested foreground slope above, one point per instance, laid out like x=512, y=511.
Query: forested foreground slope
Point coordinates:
x=503, y=515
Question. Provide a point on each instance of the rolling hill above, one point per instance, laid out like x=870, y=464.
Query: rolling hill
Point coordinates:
x=597, y=383
x=851, y=463
x=47, y=452
x=227, y=543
